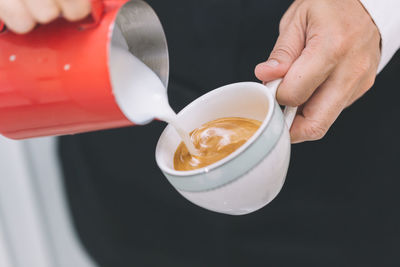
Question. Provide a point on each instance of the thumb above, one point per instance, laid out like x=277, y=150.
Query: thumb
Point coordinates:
x=287, y=49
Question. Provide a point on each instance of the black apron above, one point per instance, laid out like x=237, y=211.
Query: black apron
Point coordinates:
x=339, y=205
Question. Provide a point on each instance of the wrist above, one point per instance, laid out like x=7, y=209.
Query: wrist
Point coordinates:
x=384, y=14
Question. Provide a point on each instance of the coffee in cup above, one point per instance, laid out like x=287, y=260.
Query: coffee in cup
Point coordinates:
x=252, y=175
x=214, y=141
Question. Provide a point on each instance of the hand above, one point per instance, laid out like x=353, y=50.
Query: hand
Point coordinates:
x=328, y=52
x=21, y=16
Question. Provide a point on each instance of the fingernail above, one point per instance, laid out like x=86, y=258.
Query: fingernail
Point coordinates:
x=272, y=63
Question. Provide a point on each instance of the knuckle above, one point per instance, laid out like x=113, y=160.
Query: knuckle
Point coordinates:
x=337, y=46
x=22, y=28
x=48, y=15
x=293, y=99
x=76, y=13
x=370, y=81
x=364, y=65
x=283, y=51
x=315, y=131
x=287, y=18
x=284, y=23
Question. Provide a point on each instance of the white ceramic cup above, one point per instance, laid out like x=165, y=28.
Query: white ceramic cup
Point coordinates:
x=250, y=177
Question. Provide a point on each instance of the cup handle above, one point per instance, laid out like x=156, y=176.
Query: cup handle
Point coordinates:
x=289, y=112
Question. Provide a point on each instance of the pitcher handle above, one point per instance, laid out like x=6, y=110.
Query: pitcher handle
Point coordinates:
x=289, y=112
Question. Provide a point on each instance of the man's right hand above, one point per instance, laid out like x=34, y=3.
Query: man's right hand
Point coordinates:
x=21, y=16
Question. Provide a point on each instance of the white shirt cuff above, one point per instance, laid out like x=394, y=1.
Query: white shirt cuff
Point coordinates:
x=386, y=15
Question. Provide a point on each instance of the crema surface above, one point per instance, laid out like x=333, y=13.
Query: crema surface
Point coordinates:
x=215, y=140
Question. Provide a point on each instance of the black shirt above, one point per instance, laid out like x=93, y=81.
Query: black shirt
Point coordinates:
x=339, y=203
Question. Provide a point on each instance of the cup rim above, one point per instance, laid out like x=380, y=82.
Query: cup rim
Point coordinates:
x=237, y=152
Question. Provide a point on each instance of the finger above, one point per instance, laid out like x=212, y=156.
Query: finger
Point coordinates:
x=307, y=73
x=369, y=67
x=74, y=9
x=287, y=49
x=42, y=11
x=366, y=85
x=16, y=16
x=323, y=108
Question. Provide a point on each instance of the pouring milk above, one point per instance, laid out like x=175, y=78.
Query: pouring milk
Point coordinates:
x=145, y=97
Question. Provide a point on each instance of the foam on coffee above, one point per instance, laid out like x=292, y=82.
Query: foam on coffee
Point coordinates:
x=214, y=141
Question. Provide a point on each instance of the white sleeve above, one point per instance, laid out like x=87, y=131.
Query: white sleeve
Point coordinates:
x=386, y=15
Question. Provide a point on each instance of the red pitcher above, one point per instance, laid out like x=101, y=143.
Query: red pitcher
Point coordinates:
x=55, y=80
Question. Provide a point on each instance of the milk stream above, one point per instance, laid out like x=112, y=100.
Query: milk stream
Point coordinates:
x=172, y=119
x=139, y=92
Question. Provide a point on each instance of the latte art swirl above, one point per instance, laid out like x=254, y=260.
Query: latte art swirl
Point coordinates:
x=214, y=141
